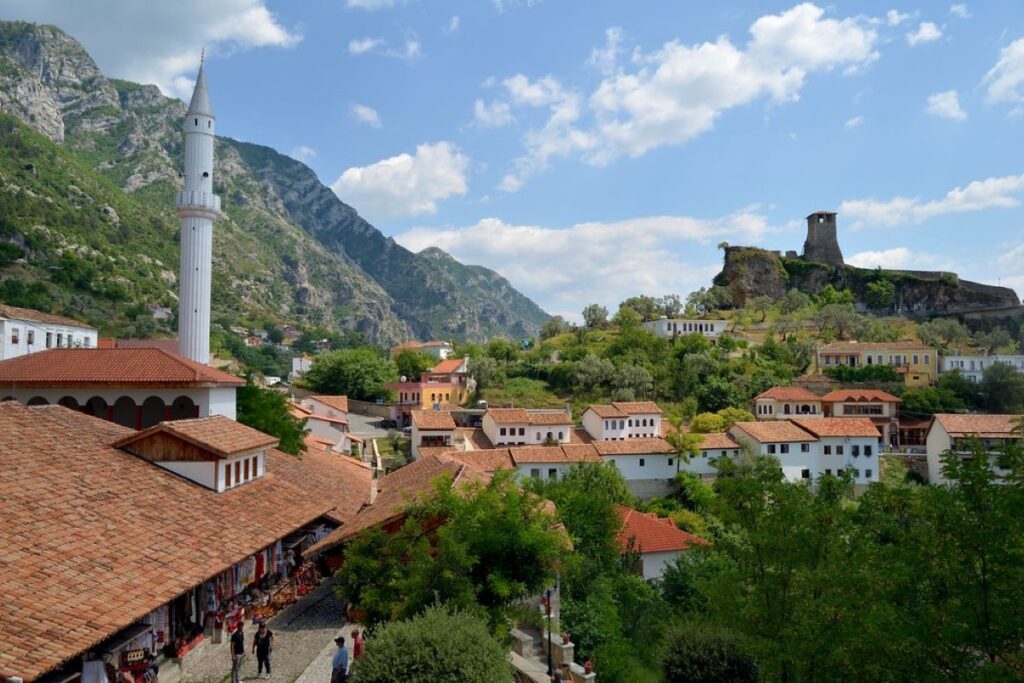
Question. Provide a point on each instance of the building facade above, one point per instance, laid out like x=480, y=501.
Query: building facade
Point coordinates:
x=973, y=367
x=521, y=427
x=917, y=364
x=23, y=331
x=957, y=434
x=782, y=403
x=676, y=327
x=881, y=407
x=623, y=420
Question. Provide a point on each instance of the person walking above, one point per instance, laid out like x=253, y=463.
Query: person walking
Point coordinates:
x=262, y=644
x=357, y=644
x=237, y=653
x=339, y=665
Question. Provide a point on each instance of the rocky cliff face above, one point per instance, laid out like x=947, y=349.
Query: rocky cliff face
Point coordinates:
x=287, y=248
x=750, y=272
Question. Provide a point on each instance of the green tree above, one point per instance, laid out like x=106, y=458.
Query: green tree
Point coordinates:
x=554, y=326
x=695, y=652
x=733, y=415
x=880, y=294
x=627, y=319
x=829, y=295
x=441, y=645
x=708, y=423
x=502, y=350
x=997, y=340
x=794, y=301
x=942, y=332
x=1002, y=388
x=360, y=373
x=411, y=364
x=595, y=316
x=923, y=402
x=631, y=382
x=760, y=304
x=836, y=319
x=267, y=411
x=484, y=371
x=647, y=307
x=592, y=372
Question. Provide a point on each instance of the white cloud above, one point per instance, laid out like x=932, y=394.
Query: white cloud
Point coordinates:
x=453, y=25
x=564, y=269
x=605, y=59
x=946, y=105
x=854, y=122
x=895, y=18
x=370, y=4
x=959, y=11
x=898, y=257
x=926, y=32
x=978, y=195
x=303, y=153
x=493, y=115
x=159, y=42
x=358, y=46
x=678, y=91
x=364, y=114
x=1005, y=80
x=407, y=184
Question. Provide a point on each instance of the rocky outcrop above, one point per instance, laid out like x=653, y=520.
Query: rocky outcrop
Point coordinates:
x=749, y=272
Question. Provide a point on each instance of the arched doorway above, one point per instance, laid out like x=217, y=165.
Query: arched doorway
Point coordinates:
x=154, y=411
x=69, y=402
x=96, y=407
x=124, y=412
x=183, y=408
x=38, y=401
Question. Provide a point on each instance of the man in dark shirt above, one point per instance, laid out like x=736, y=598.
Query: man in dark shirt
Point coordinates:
x=237, y=654
x=262, y=644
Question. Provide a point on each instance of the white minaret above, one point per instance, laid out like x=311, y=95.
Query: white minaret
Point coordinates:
x=197, y=206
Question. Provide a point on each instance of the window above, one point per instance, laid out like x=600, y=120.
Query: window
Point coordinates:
x=631, y=423
x=916, y=357
x=641, y=462
x=867, y=450
x=535, y=472
x=867, y=474
x=522, y=431
x=805, y=448
x=927, y=361
x=49, y=339
x=502, y=431
x=622, y=424
x=723, y=454
x=856, y=473
x=14, y=335
x=31, y=337
x=805, y=474
x=839, y=450
x=771, y=448
x=827, y=450
x=552, y=473
x=238, y=472
x=560, y=437
x=784, y=448
x=245, y=470
x=227, y=475
x=538, y=436
x=828, y=471
x=71, y=340
x=670, y=461
x=855, y=450
x=60, y=339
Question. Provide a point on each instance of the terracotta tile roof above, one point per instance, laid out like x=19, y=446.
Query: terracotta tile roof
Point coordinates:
x=475, y=438
x=773, y=431
x=522, y=455
x=337, y=479
x=446, y=367
x=606, y=411
x=298, y=412
x=509, y=415
x=981, y=426
x=426, y=451
x=435, y=420
x=113, y=367
x=647, y=533
x=640, y=446
x=339, y=403
x=216, y=434
x=838, y=426
x=398, y=490
x=492, y=460
x=326, y=418
x=788, y=394
x=168, y=345
x=580, y=435
x=638, y=407
x=859, y=395
x=550, y=419
x=95, y=538
x=717, y=441
x=853, y=347
x=39, y=317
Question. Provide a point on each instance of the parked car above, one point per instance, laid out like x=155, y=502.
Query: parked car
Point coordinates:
x=387, y=424
x=407, y=430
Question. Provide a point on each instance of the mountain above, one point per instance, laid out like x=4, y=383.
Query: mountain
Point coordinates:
x=88, y=168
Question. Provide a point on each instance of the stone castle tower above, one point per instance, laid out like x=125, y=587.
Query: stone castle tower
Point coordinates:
x=197, y=207
x=822, y=243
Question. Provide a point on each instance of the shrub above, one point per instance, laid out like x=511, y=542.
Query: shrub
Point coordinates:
x=699, y=653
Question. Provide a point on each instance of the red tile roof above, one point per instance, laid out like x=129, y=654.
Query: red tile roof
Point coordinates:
x=38, y=316
x=606, y=411
x=94, y=538
x=168, y=345
x=638, y=407
x=788, y=394
x=339, y=403
x=335, y=478
x=647, y=533
x=551, y=419
x=981, y=426
x=218, y=435
x=446, y=367
x=717, y=441
x=325, y=418
x=110, y=367
x=838, y=426
x=854, y=346
x=641, y=446
x=524, y=455
x=773, y=431
x=433, y=420
x=869, y=395
x=509, y=415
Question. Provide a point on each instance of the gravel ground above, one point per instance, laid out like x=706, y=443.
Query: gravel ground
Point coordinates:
x=302, y=634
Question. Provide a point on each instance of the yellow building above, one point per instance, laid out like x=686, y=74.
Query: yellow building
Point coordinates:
x=917, y=363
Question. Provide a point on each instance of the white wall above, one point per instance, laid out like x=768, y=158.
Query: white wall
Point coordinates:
x=534, y=435
x=654, y=563
x=221, y=402
x=417, y=438
x=211, y=401
x=204, y=472
x=85, y=337
x=223, y=465
x=525, y=470
x=937, y=442
x=669, y=327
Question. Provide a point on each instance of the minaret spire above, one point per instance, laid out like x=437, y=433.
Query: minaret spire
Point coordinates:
x=197, y=207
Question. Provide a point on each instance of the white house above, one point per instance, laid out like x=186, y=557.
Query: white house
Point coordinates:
x=134, y=387
x=713, y=447
x=518, y=426
x=300, y=365
x=648, y=465
x=781, y=403
x=673, y=327
x=811, y=447
x=623, y=420
x=881, y=407
x=440, y=350
x=654, y=541
x=537, y=462
x=327, y=420
x=973, y=367
x=431, y=429
x=23, y=331
x=955, y=433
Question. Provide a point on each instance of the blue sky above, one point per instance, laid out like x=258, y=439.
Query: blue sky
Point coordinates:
x=591, y=151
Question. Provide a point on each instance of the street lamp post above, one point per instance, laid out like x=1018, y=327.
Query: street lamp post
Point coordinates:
x=551, y=671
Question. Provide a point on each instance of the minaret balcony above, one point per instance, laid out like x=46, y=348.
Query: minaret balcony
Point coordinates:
x=188, y=201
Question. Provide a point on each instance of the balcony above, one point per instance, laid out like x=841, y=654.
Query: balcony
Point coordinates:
x=198, y=202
